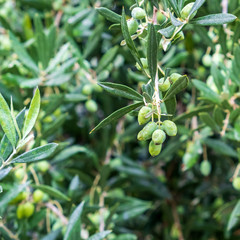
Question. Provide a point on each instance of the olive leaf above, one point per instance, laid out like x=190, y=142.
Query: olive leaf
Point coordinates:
x=117, y=114
x=177, y=87
x=214, y=19
x=120, y=90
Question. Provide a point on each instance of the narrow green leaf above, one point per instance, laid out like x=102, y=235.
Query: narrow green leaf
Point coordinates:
x=177, y=87
x=234, y=217
x=6, y=121
x=193, y=112
x=52, y=235
x=180, y=4
x=41, y=41
x=208, y=93
x=171, y=105
x=214, y=19
x=209, y=121
x=168, y=31
x=218, y=78
x=109, y=15
x=221, y=147
x=52, y=192
x=74, y=225
x=36, y=154
x=5, y=145
x=152, y=47
x=196, y=6
x=116, y=115
x=174, y=5
x=99, y=236
x=22, y=54
x=155, y=3
x=107, y=58
x=32, y=114
x=4, y=172
x=121, y=90
x=175, y=21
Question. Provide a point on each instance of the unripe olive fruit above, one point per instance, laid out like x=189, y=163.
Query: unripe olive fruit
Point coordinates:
x=158, y=136
x=142, y=119
x=236, y=183
x=154, y=149
x=28, y=209
x=144, y=63
x=186, y=10
x=91, y=106
x=21, y=196
x=147, y=131
x=19, y=174
x=170, y=128
x=132, y=26
x=205, y=168
x=138, y=13
x=207, y=60
x=87, y=89
x=174, y=77
x=38, y=196
x=164, y=85
x=160, y=17
x=43, y=166
x=20, y=211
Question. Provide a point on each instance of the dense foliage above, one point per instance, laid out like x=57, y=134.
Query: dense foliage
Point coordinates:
x=119, y=120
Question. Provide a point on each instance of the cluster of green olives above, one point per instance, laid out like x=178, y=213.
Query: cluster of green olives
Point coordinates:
x=155, y=131
x=87, y=90
x=26, y=201
x=137, y=14
x=164, y=85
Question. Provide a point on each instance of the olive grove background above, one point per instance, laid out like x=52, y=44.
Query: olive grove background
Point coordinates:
x=105, y=185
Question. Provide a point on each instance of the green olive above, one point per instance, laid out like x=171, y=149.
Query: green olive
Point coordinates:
x=164, y=85
x=170, y=128
x=147, y=131
x=28, y=209
x=132, y=26
x=142, y=115
x=174, y=77
x=87, y=89
x=20, y=211
x=38, y=196
x=158, y=136
x=236, y=183
x=154, y=149
x=91, y=106
x=138, y=13
x=186, y=11
x=19, y=174
x=205, y=168
x=207, y=60
x=160, y=18
x=43, y=166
